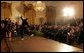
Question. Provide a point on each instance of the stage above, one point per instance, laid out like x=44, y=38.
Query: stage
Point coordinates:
x=39, y=44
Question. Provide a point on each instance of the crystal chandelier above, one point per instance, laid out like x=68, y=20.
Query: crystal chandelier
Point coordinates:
x=39, y=6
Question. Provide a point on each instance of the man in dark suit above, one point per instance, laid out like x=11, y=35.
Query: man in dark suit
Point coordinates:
x=5, y=27
x=24, y=26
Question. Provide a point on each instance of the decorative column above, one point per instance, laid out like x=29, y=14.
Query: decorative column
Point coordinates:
x=40, y=12
x=15, y=11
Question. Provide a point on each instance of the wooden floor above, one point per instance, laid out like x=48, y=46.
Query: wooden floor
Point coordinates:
x=40, y=44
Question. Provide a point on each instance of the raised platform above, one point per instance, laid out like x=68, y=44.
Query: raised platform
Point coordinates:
x=40, y=44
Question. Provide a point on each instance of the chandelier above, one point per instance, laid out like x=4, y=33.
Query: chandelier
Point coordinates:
x=39, y=6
